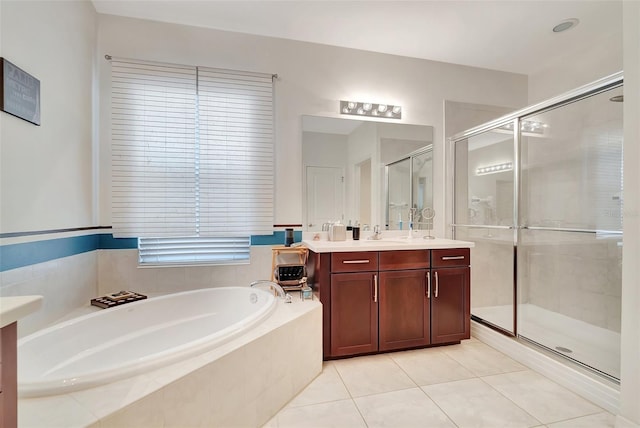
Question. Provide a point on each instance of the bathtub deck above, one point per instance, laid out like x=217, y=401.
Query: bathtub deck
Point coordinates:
x=243, y=382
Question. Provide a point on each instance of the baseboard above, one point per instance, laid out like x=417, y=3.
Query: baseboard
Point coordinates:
x=599, y=391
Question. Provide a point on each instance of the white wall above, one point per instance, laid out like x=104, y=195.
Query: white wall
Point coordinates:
x=574, y=69
x=312, y=80
x=46, y=171
x=630, y=364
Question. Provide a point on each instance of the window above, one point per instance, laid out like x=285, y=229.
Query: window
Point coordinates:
x=192, y=160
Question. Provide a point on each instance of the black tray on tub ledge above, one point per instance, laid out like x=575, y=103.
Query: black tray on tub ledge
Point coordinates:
x=117, y=299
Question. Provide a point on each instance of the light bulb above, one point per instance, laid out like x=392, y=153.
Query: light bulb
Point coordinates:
x=396, y=109
x=382, y=108
x=366, y=106
x=351, y=105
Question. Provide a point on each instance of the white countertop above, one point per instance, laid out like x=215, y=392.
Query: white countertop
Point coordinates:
x=387, y=243
x=16, y=307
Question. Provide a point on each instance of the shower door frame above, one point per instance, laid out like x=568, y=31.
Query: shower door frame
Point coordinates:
x=594, y=88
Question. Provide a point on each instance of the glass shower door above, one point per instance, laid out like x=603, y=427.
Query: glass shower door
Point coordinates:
x=484, y=214
x=570, y=249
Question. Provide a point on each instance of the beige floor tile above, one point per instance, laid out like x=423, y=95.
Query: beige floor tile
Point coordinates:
x=599, y=420
x=430, y=366
x=372, y=375
x=407, y=408
x=542, y=398
x=328, y=386
x=473, y=403
x=482, y=360
x=339, y=414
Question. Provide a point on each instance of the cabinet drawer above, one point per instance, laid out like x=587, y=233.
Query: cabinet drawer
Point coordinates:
x=405, y=259
x=450, y=257
x=354, y=262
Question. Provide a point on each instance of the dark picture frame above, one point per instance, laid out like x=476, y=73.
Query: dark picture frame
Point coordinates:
x=19, y=92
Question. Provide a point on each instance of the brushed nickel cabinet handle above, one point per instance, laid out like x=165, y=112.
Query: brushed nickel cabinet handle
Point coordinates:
x=453, y=258
x=354, y=262
x=375, y=288
x=428, y=285
x=436, y=293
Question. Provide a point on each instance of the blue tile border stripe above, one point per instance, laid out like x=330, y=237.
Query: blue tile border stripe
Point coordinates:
x=13, y=256
x=19, y=255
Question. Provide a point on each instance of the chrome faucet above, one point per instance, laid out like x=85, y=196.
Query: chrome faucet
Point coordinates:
x=275, y=287
x=377, y=235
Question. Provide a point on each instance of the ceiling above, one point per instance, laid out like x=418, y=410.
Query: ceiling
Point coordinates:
x=507, y=35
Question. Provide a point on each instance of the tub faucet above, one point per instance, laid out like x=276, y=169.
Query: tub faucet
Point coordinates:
x=275, y=287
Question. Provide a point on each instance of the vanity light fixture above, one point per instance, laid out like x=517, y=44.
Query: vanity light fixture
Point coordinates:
x=385, y=111
x=492, y=169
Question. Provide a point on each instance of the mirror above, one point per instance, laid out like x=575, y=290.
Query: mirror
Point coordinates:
x=344, y=168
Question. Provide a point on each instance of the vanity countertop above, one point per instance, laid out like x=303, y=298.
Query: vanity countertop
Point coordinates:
x=392, y=243
x=16, y=307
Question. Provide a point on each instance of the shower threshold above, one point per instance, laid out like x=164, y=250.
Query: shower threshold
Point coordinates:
x=589, y=345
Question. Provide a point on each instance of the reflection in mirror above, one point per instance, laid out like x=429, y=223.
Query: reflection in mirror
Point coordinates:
x=410, y=191
x=343, y=168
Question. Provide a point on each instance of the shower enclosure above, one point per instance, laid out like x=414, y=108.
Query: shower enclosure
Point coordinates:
x=540, y=194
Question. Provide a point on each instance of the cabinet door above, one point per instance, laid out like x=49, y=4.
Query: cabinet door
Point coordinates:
x=450, y=308
x=403, y=309
x=354, y=313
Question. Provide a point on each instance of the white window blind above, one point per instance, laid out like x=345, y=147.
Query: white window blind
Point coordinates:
x=184, y=251
x=236, y=152
x=192, y=151
x=192, y=161
x=153, y=114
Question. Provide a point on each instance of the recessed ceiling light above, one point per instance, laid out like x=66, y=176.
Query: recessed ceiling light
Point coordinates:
x=565, y=25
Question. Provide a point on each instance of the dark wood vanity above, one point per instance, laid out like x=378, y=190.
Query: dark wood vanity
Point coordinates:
x=378, y=301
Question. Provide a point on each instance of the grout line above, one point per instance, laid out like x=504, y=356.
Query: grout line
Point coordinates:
x=507, y=397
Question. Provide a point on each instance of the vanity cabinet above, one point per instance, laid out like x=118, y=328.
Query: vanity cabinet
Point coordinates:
x=8, y=376
x=450, y=303
x=354, y=303
x=403, y=307
x=375, y=301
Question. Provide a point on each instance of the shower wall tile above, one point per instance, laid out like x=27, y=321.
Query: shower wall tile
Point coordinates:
x=65, y=284
x=574, y=275
x=491, y=282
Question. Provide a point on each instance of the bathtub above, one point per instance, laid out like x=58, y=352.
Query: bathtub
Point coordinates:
x=120, y=342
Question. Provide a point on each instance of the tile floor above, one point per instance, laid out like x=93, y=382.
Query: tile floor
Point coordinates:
x=466, y=385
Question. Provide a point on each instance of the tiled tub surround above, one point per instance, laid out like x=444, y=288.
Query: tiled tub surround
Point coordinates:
x=66, y=284
x=119, y=270
x=242, y=383
x=73, y=273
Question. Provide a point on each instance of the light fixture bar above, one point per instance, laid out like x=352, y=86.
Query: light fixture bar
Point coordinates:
x=492, y=169
x=358, y=108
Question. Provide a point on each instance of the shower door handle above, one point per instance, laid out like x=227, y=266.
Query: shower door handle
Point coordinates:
x=436, y=292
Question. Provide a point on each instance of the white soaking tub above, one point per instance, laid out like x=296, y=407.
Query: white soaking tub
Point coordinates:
x=136, y=337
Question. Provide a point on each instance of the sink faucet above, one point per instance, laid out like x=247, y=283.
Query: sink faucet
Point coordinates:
x=275, y=287
x=376, y=233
